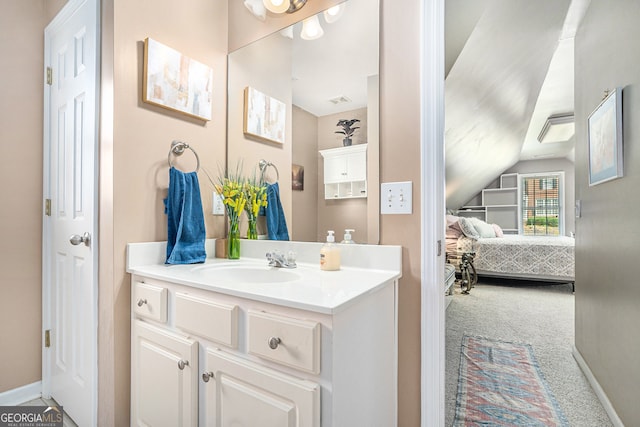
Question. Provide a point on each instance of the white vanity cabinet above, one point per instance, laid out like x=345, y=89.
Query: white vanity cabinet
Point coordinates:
x=219, y=359
x=345, y=172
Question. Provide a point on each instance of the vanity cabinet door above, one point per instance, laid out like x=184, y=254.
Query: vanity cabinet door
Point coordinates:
x=241, y=393
x=164, y=378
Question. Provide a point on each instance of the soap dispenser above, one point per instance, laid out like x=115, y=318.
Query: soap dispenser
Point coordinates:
x=330, y=254
x=347, y=236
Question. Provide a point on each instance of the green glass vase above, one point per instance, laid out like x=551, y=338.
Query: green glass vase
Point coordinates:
x=252, y=232
x=233, y=242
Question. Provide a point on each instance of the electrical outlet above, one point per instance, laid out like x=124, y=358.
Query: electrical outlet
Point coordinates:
x=396, y=197
x=218, y=204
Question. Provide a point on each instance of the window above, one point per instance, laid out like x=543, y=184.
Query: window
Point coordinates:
x=541, y=204
x=547, y=207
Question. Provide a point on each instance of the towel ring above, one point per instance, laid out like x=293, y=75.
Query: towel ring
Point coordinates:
x=177, y=148
x=263, y=165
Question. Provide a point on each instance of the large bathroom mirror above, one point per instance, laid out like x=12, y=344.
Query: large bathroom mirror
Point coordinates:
x=320, y=81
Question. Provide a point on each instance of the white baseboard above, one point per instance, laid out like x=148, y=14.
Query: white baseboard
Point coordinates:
x=22, y=394
x=602, y=396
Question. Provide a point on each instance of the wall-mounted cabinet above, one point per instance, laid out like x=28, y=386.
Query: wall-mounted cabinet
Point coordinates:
x=345, y=172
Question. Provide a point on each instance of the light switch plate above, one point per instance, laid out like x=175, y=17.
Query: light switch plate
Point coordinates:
x=218, y=204
x=396, y=198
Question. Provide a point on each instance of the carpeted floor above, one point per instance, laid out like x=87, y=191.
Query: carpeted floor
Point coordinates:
x=539, y=314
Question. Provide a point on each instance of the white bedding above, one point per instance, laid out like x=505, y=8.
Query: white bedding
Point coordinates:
x=534, y=257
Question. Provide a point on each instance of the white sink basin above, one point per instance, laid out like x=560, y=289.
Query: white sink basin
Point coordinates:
x=247, y=273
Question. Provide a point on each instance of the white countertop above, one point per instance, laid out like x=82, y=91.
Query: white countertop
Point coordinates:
x=306, y=287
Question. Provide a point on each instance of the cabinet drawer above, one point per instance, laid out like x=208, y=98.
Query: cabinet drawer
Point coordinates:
x=208, y=319
x=149, y=301
x=292, y=342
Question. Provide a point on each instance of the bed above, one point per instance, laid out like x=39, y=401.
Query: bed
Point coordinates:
x=548, y=258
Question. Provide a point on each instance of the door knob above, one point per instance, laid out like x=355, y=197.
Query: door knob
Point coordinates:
x=76, y=239
x=206, y=376
x=274, y=342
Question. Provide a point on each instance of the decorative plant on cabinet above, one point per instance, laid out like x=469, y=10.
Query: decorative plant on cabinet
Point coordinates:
x=347, y=130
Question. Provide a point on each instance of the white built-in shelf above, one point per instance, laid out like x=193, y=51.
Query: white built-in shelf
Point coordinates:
x=499, y=196
x=509, y=180
x=499, y=205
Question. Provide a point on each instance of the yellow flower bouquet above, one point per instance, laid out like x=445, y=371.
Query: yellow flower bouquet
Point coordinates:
x=231, y=188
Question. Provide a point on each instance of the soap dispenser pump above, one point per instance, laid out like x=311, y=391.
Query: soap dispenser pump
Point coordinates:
x=347, y=236
x=330, y=254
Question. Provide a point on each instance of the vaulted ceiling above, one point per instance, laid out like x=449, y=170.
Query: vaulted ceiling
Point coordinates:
x=509, y=66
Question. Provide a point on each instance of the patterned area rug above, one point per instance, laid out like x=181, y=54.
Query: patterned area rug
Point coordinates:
x=500, y=384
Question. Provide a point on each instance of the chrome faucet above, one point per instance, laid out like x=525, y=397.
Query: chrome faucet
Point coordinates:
x=277, y=259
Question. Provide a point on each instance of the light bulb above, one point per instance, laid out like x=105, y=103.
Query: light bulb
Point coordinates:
x=256, y=7
x=334, y=13
x=311, y=28
x=287, y=32
x=277, y=6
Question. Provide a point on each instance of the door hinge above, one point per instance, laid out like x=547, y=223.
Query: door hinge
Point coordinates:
x=49, y=76
x=47, y=338
x=47, y=207
x=439, y=249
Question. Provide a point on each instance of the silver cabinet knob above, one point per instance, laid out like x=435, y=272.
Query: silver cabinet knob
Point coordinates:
x=76, y=239
x=206, y=376
x=141, y=302
x=274, y=342
x=182, y=364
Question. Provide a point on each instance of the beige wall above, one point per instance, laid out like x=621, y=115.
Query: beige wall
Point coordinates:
x=607, y=291
x=22, y=24
x=304, y=212
x=400, y=161
x=142, y=135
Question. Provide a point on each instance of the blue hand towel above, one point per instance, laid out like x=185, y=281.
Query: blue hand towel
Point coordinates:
x=276, y=222
x=183, y=206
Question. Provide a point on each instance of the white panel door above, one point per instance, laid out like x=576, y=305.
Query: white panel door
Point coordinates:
x=164, y=378
x=240, y=393
x=69, y=273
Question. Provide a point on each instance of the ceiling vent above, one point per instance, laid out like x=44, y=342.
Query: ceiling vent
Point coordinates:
x=339, y=100
x=557, y=128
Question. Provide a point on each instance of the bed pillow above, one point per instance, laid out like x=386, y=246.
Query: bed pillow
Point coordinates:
x=453, y=229
x=468, y=229
x=498, y=230
x=484, y=230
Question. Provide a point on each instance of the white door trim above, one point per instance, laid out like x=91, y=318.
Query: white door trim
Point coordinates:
x=55, y=25
x=433, y=213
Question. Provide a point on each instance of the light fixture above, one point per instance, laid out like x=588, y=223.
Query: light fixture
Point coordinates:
x=334, y=13
x=287, y=32
x=256, y=7
x=311, y=28
x=557, y=128
x=284, y=6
